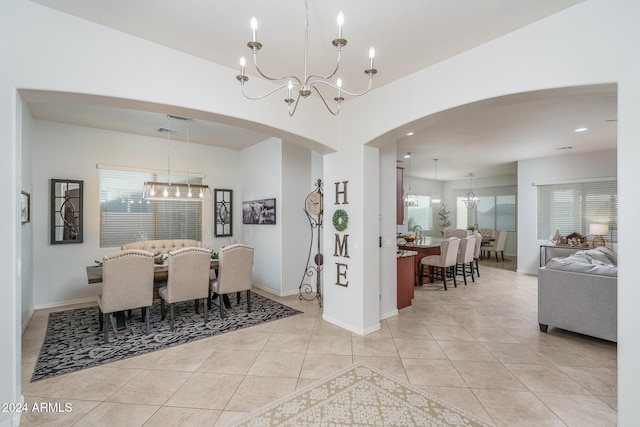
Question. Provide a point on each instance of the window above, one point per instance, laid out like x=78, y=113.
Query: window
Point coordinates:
x=126, y=217
x=420, y=215
x=573, y=207
x=494, y=212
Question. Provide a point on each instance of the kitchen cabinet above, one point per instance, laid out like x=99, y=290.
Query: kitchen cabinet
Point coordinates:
x=405, y=279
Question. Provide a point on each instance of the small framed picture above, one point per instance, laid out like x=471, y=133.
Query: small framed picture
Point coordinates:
x=25, y=207
x=259, y=211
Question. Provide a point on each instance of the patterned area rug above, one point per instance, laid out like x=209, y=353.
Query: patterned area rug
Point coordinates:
x=360, y=395
x=73, y=340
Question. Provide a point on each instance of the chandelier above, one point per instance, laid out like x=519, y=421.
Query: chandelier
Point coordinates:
x=470, y=201
x=410, y=199
x=158, y=190
x=435, y=198
x=301, y=87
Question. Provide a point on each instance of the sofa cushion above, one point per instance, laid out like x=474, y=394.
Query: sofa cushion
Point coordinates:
x=584, y=262
x=613, y=257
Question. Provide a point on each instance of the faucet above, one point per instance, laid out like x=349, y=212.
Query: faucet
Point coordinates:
x=418, y=234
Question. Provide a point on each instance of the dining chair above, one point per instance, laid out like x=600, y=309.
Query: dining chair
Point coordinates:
x=127, y=283
x=459, y=233
x=487, y=237
x=498, y=246
x=235, y=273
x=446, y=260
x=477, y=251
x=465, y=257
x=188, y=279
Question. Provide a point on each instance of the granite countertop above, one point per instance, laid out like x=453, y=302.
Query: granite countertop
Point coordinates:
x=404, y=253
x=425, y=242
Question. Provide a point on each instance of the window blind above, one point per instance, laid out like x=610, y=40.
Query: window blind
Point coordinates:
x=126, y=217
x=573, y=207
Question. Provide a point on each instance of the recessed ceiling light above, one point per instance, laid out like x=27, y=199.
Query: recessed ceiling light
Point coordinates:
x=581, y=130
x=410, y=133
x=566, y=147
x=407, y=156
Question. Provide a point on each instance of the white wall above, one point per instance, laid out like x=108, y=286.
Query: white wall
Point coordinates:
x=296, y=234
x=387, y=232
x=262, y=179
x=551, y=171
x=65, y=151
x=26, y=230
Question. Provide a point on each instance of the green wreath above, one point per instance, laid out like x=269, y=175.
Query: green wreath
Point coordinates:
x=340, y=220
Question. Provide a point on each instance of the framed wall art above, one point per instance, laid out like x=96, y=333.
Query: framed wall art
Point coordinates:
x=259, y=211
x=223, y=200
x=25, y=207
x=66, y=211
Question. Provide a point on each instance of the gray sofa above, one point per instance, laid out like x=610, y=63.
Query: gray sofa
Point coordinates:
x=582, y=302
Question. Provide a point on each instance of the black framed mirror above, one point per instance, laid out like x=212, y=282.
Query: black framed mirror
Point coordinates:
x=66, y=211
x=223, y=219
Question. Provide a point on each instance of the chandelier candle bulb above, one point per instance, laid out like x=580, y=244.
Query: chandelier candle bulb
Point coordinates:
x=340, y=24
x=372, y=54
x=243, y=63
x=254, y=29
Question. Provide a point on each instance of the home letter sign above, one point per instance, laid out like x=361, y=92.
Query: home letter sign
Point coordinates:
x=341, y=242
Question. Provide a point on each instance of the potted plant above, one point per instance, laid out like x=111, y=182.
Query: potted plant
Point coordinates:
x=444, y=218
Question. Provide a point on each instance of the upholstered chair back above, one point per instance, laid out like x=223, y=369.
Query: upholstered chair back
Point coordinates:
x=235, y=272
x=501, y=239
x=486, y=233
x=467, y=249
x=460, y=233
x=476, y=252
x=188, y=274
x=127, y=280
x=449, y=252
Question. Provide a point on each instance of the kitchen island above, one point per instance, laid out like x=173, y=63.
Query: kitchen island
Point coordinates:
x=424, y=246
x=406, y=274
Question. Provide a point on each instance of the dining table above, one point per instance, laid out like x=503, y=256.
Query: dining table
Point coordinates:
x=160, y=276
x=160, y=273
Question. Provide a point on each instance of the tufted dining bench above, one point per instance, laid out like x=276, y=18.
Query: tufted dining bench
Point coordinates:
x=158, y=247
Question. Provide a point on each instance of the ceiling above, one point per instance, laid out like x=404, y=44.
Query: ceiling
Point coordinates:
x=487, y=137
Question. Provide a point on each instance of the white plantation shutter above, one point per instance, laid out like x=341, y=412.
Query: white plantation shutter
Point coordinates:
x=573, y=207
x=126, y=217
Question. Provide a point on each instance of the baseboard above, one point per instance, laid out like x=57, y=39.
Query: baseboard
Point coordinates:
x=389, y=314
x=523, y=271
x=361, y=332
x=25, y=322
x=63, y=303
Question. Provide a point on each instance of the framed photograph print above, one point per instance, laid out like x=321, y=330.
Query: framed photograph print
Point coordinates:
x=224, y=220
x=25, y=207
x=259, y=211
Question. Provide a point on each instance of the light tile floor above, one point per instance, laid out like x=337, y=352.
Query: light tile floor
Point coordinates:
x=477, y=347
